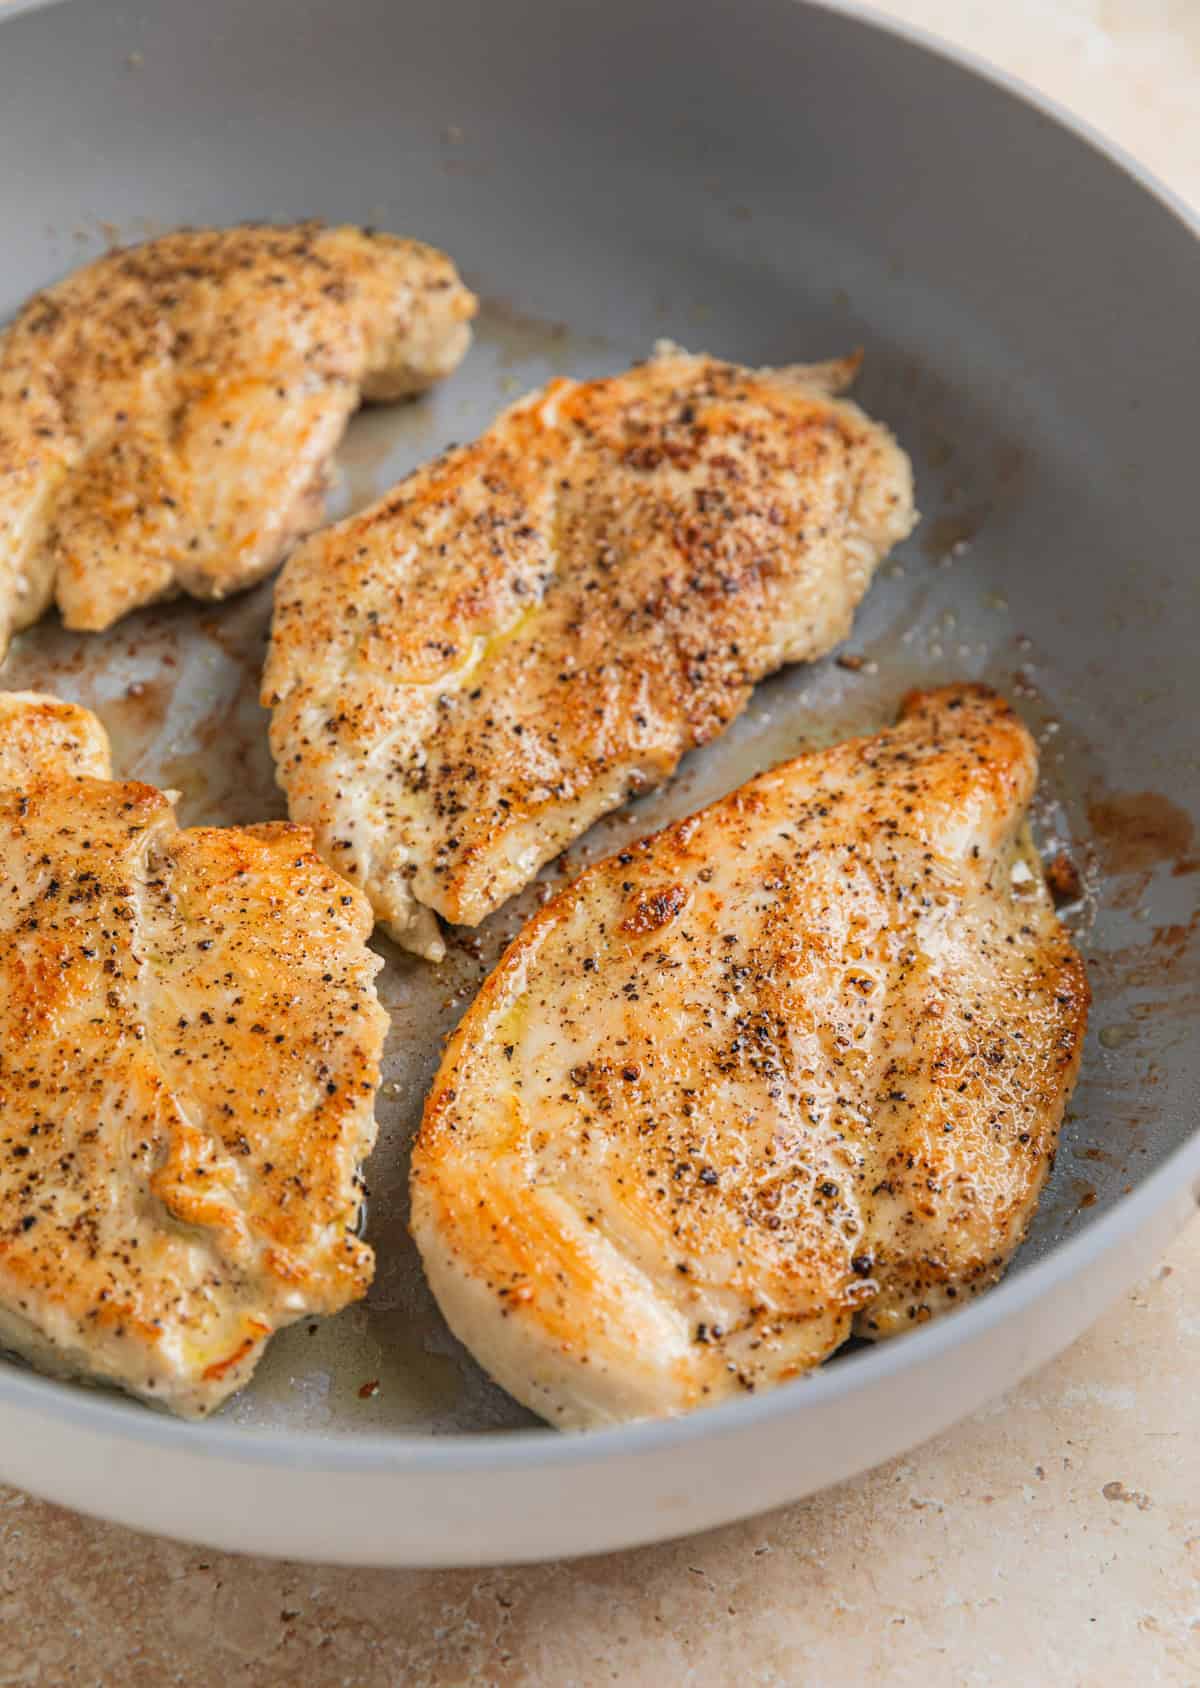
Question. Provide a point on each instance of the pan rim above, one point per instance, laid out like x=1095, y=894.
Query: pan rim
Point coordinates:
x=474, y=1453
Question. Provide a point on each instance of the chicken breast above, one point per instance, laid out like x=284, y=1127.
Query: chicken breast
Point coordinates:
x=168, y=413
x=791, y=1069
x=467, y=675
x=189, y=1052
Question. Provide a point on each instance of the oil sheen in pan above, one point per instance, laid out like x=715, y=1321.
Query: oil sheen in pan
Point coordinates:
x=177, y=689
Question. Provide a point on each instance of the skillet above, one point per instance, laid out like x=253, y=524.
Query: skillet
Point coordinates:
x=772, y=182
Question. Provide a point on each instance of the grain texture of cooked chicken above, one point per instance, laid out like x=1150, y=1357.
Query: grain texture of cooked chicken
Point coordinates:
x=189, y=1053
x=790, y=1070
x=531, y=628
x=168, y=413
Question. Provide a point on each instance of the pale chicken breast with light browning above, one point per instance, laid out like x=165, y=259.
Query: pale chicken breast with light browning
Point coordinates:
x=169, y=412
x=791, y=1069
x=467, y=675
x=189, y=1053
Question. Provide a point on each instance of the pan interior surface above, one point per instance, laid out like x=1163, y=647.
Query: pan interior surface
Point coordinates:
x=773, y=184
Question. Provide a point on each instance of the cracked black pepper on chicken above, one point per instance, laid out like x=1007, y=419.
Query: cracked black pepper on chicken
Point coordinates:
x=189, y=1054
x=168, y=413
x=791, y=1069
x=527, y=630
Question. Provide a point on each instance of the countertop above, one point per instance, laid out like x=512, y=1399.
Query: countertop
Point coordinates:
x=1054, y=1537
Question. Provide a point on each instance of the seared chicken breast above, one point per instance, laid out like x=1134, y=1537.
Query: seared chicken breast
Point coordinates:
x=468, y=674
x=168, y=413
x=791, y=1069
x=189, y=1052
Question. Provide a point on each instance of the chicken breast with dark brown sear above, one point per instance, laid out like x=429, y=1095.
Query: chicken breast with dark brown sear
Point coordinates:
x=168, y=413
x=189, y=1053
x=791, y=1069
x=467, y=675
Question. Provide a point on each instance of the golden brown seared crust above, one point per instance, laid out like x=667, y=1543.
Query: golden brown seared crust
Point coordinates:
x=40, y=734
x=167, y=413
x=791, y=1068
x=189, y=1052
x=528, y=629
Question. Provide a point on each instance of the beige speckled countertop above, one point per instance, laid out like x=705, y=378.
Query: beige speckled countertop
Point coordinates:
x=1054, y=1538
